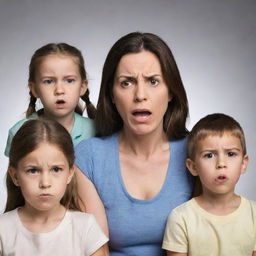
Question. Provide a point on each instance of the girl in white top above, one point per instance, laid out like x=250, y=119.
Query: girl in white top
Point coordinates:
x=42, y=214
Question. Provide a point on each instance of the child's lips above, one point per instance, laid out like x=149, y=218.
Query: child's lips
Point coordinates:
x=221, y=178
x=60, y=102
x=45, y=196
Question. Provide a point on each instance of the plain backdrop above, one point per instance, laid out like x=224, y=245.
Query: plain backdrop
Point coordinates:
x=213, y=41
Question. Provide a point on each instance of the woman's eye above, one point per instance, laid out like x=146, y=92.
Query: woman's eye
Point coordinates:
x=208, y=155
x=126, y=83
x=32, y=170
x=154, y=82
x=56, y=169
x=47, y=81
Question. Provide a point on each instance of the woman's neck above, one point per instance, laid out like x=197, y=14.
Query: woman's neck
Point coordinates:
x=143, y=145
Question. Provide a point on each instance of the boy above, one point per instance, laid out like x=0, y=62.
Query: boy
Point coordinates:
x=218, y=222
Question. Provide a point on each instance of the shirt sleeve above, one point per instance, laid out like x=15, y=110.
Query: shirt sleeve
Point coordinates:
x=84, y=158
x=253, y=207
x=8, y=144
x=175, y=237
x=95, y=238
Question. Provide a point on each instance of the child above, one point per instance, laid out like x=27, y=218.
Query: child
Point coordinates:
x=58, y=78
x=218, y=222
x=41, y=216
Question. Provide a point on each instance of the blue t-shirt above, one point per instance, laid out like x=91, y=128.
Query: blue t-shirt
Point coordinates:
x=136, y=227
x=83, y=128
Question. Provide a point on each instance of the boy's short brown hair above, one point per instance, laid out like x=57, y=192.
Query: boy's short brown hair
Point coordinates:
x=214, y=124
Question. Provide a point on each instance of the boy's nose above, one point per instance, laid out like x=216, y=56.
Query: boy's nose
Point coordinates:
x=221, y=162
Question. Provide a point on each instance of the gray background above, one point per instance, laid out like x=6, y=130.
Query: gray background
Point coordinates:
x=213, y=41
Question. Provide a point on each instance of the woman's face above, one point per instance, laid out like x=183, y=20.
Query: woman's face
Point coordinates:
x=140, y=93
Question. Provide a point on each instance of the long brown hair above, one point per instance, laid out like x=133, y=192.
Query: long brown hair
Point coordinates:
x=108, y=120
x=26, y=140
x=65, y=49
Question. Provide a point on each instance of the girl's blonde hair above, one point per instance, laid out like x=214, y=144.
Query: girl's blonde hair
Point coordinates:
x=31, y=134
x=64, y=49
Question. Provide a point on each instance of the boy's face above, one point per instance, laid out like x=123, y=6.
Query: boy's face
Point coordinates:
x=219, y=162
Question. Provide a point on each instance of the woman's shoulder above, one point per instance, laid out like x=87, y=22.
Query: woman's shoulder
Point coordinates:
x=179, y=147
x=98, y=142
x=180, y=141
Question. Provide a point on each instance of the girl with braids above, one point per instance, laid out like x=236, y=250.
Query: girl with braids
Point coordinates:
x=42, y=215
x=58, y=78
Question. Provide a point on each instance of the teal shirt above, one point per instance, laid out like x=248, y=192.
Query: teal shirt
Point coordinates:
x=83, y=128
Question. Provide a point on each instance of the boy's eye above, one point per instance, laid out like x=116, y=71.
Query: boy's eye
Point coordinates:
x=32, y=170
x=232, y=154
x=208, y=155
x=56, y=169
x=48, y=81
x=154, y=82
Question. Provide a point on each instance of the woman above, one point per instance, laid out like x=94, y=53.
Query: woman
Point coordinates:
x=135, y=171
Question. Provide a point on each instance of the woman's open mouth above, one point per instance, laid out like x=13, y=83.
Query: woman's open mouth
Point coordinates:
x=141, y=115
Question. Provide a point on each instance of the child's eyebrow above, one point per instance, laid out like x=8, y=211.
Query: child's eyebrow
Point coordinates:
x=208, y=150
x=215, y=150
x=66, y=76
x=233, y=148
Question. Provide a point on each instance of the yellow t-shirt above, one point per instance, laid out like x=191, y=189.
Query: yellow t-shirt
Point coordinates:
x=190, y=229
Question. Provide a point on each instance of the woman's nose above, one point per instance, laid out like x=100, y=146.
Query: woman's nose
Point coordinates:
x=140, y=93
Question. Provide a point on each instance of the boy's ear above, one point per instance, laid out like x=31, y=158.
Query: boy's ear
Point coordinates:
x=84, y=87
x=191, y=167
x=71, y=173
x=13, y=173
x=244, y=164
x=32, y=87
